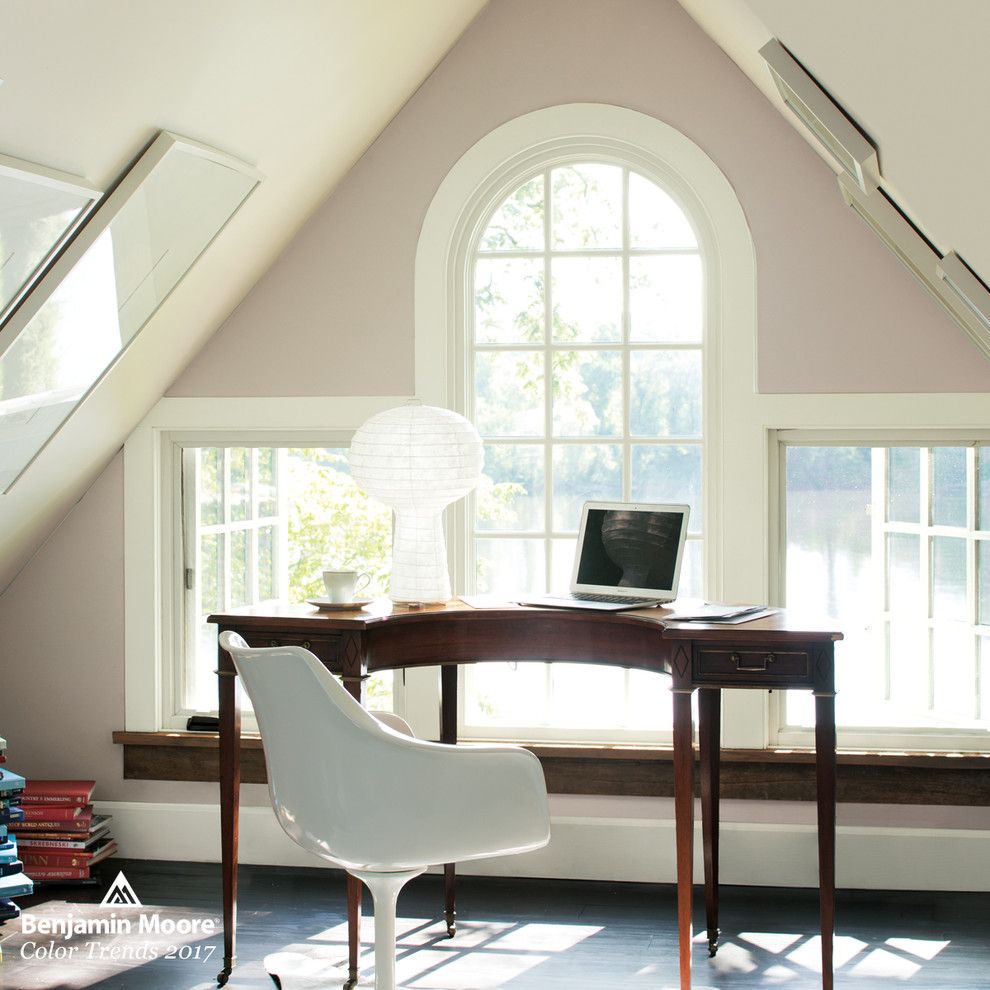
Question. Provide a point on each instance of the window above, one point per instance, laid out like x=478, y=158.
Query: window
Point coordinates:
x=894, y=541
x=260, y=524
x=585, y=357
x=576, y=275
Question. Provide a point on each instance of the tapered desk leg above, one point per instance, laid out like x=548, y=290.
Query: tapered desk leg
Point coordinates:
x=825, y=767
x=709, y=740
x=353, y=931
x=684, y=817
x=448, y=734
x=230, y=795
x=355, y=672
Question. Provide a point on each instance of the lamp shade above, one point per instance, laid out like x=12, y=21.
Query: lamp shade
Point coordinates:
x=417, y=459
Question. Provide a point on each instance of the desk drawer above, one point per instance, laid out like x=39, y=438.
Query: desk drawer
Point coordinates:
x=326, y=648
x=751, y=665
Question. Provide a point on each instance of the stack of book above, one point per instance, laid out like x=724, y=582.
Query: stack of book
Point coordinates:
x=13, y=880
x=60, y=838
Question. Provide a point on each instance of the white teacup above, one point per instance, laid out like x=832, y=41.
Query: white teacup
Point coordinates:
x=342, y=586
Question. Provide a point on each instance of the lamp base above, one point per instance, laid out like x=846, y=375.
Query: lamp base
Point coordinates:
x=419, y=558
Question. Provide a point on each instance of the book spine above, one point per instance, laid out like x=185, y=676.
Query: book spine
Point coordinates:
x=14, y=866
x=56, y=812
x=52, y=845
x=57, y=872
x=54, y=825
x=68, y=858
x=74, y=799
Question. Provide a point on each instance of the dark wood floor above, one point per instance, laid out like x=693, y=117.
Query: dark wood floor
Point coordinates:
x=535, y=935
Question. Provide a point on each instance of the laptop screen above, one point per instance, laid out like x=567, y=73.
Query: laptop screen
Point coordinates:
x=630, y=548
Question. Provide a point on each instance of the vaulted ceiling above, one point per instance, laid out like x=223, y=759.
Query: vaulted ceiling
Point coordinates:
x=913, y=74
x=300, y=90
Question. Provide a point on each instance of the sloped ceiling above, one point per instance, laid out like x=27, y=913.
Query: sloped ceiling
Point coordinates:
x=914, y=74
x=299, y=90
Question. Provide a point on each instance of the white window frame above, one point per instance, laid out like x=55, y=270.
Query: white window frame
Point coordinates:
x=488, y=173
x=867, y=737
x=153, y=553
x=549, y=442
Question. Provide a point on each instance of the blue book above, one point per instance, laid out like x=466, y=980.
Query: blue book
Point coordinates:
x=11, y=783
x=8, y=850
x=16, y=885
x=15, y=866
x=3, y=832
x=8, y=910
x=11, y=815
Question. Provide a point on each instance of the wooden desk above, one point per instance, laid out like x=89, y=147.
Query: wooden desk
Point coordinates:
x=775, y=652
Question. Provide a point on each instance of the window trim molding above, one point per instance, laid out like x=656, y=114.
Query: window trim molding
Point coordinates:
x=487, y=173
x=491, y=169
x=152, y=502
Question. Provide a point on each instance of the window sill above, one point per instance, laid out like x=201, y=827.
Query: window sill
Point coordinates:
x=636, y=771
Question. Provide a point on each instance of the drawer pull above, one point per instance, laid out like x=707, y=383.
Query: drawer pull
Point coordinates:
x=761, y=664
x=274, y=642
x=307, y=645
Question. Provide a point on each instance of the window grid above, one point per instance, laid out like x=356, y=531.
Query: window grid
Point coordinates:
x=547, y=349
x=965, y=703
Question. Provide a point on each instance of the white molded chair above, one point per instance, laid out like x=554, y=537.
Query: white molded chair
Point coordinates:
x=374, y=801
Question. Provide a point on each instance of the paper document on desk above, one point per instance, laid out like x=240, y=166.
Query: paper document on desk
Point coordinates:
x=487, y=601
x=706, y=612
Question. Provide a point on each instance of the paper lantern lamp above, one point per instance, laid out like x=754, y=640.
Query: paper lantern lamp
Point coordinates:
x=417, y=459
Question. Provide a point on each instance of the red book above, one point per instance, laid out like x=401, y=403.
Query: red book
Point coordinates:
x=68, y=858
x=80, y=824
x=57, y=872
x=57, y=792
x=56, y=812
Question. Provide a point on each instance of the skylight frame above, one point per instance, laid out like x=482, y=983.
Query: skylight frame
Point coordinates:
x=807, y=99
x=23, y=433
x=39, y=175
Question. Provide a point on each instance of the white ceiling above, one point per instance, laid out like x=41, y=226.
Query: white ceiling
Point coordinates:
x=915, y=76
x=297, y=89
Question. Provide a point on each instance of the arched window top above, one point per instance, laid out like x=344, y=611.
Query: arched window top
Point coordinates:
x=693, y=210
x=459, y=221
x=587, y=206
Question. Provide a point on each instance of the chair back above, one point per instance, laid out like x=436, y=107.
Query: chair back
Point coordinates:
x=329, y=766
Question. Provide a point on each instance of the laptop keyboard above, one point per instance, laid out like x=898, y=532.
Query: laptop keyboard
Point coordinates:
x=617, y=599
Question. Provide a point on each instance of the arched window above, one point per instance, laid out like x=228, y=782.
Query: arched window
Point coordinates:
x=569, y=302
x=585, y=348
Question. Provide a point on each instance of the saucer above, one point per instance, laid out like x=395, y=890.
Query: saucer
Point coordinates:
x=325, y=605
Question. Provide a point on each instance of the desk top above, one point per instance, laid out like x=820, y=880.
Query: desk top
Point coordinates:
x=781, y=626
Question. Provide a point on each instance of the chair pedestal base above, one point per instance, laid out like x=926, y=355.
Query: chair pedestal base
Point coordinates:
x=385, y=889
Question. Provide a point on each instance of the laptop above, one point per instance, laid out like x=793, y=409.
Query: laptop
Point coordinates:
x=628, y=556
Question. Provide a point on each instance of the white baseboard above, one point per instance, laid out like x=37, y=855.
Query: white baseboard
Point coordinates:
x=601, y=848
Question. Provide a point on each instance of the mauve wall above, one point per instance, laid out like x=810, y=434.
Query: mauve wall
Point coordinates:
x=837, y=313
x=335, y=316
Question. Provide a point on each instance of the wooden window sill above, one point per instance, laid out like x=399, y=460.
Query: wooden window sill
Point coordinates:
x=641, y=771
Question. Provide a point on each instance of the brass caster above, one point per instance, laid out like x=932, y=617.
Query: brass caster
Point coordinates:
x=222, y=977
x=713, y=943
x=351, y=982
x=451, y=924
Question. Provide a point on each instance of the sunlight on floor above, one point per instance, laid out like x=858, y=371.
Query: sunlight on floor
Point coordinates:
x=489, y=954
x=809, y=953
x=926, y=949
x=775, y=942
x=486, y=954
x=880, y=962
